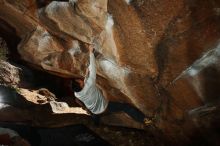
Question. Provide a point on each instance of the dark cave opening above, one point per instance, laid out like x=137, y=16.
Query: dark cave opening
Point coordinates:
x=43, y=3
x=12, y=40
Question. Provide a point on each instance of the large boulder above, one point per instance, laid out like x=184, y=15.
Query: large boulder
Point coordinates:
x=95, y=11
x=72, y=62
x=38, y=45
x=72, y=24
x=44, y=50
x=144, y=52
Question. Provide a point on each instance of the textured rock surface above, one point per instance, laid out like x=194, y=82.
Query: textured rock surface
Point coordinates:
x=9, y=74
x=71, y=24
x=38, y=45
x=151, y=52
x=19, y=15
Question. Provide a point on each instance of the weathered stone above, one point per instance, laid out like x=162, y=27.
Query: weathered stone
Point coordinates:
x=180, y=46
x=9, y=74
x=199, y=81
x=137, y=87
x=140, y=89
x=28, y=7
x=144, y=50
x=45, y=92
x=38, y=45
x=72, y=24
x=42, y=49
x=72, y=62
x=106, y=44
x=121, y=119
x=128, y=33
x=196, y=86
x=15, y=15
x=93, y=10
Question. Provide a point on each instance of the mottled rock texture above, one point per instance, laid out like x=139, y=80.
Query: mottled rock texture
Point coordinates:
x=154, y=54
x=9, y=74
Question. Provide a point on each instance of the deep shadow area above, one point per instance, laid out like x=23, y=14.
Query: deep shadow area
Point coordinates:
x=8, y=33
x=36, y=79
x=10, y=96
x=43, y=3
x=211, y=83
x=77, y=135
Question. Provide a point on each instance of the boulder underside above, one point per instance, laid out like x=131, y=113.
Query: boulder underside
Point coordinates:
x=161, y=56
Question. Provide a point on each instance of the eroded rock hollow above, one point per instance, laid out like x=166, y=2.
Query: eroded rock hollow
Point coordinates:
x=162, y=56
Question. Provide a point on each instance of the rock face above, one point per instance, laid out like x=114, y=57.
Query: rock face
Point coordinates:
x=9, y=74
x=161, y=56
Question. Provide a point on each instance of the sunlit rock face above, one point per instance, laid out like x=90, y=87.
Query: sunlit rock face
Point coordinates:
x=151, y=52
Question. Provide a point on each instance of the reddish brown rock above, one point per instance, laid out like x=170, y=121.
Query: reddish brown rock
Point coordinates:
x=14, y=13
x=95, y=11
x=72, y=24
x=132, y=50
x=150, y=53
x=38, y=45
x=72, y=62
